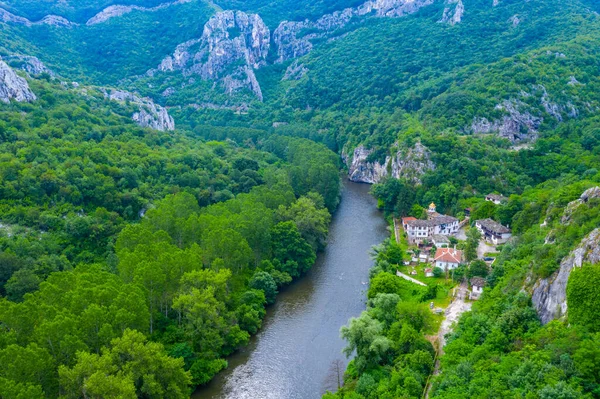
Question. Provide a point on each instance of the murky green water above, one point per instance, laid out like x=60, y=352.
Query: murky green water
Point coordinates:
x=294, y=355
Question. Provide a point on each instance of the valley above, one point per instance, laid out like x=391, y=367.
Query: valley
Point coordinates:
x=196, y=199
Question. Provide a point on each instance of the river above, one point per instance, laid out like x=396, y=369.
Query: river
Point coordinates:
x=295, y=353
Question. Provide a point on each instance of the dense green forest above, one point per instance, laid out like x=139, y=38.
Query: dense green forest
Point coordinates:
x=113, y=236
x=133, y=261
x=111, y=51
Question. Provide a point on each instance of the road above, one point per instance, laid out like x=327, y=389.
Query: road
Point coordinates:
x=483, y=247
x=453, y=313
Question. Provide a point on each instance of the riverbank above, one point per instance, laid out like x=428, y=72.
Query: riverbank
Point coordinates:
x=297, y=351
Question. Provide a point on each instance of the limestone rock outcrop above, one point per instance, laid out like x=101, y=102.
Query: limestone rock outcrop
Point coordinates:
x=522, y=121
x=12, y=86
x=517, y=125
x=149, y=114
x=118, y=10
x=453, y=12
x=592, y=193
x=407, y=163
x=293, y=38
x=53, y=20
x=32, y=65
x=550, y=295
x=232, y=46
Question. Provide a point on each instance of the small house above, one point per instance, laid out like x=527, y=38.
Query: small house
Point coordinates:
x=440, y=240
x=448, y=258
x=429, y=272
x=477, y=284
x=493, y=231
x=496, y=199
x=423, y=258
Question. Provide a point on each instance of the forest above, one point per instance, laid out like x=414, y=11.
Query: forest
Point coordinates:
x=134, y=261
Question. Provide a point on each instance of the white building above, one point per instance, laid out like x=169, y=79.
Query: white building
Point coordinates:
x=477, y=284
x=496, y=198
x=421, y=230
x=493, y=231
x=448, y=258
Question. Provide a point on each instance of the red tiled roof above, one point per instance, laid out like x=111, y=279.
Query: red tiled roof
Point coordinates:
x=407, y=219
x=449, y=255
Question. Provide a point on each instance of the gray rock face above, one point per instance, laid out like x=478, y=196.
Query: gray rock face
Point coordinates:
x=12, y=86
x=32, y=65
x=295, y=71
x=550, y=295
x=592, y=193
x=518, y=125
x=56, y=20
x=453, y=12
x=232, y=45
x=573, y=81
x=118, y=10
x=515, y=21
x=522, y=121
x=53, y=20
x=392, y=8
x=149, y=114
x=8, y=17
x=293, y=38
x=408, y=163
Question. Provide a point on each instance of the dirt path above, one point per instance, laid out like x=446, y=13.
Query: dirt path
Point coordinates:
x=453, y=312
x=397, y=230
x=412, y=280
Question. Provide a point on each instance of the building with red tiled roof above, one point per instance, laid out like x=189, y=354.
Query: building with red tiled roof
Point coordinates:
x=448, y=258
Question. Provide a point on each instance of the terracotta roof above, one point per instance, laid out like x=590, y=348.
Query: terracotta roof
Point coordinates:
x=449, y=255
x=493, y=226
x=478, y=282
x=408, y=219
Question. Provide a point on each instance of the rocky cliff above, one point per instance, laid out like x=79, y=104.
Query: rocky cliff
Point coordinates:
x=294, y=38
x=453, y=12
x=519, y=124
x=32, y=65
x=232, y=46
x=407, y=163
x=12, y=86
x=149, y=114
x=118, y=10
x=53, y=20
x=550, y=295
x=586, y=197
x=522, y=120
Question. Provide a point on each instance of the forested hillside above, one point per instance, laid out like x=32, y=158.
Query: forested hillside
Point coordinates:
x=114, y=235
x=166, y=168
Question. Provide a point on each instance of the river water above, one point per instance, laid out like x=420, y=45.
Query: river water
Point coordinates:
x=294, y=356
